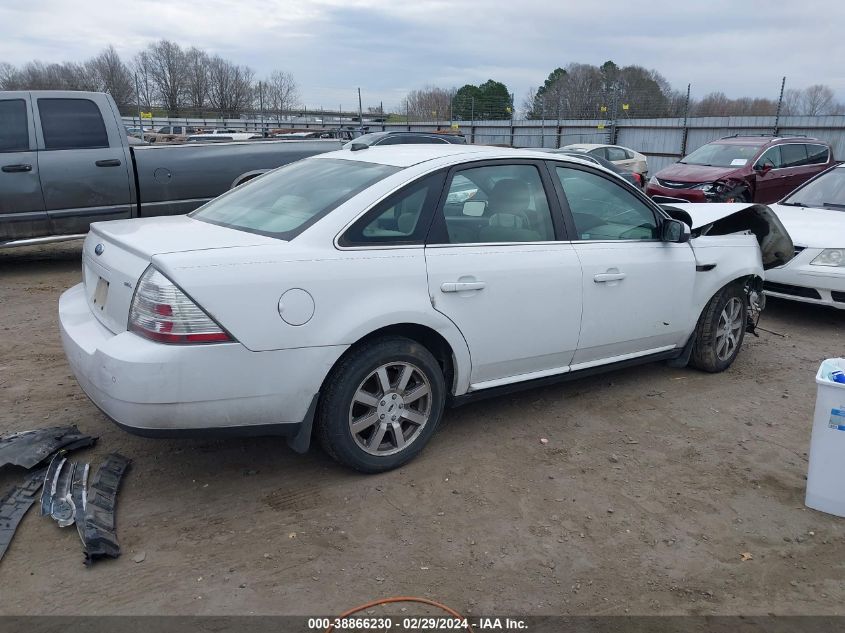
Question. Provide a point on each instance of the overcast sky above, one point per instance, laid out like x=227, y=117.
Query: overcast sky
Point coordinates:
x=388, y=47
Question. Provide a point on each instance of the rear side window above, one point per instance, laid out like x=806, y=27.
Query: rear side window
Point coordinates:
x=793, y=154
x=817, y=154
x=14, y=132
x=72, y=124
x=403, y=218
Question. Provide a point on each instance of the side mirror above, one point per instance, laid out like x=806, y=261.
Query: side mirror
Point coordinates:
x=674, y=231
x=763, y=168
x=474, y=208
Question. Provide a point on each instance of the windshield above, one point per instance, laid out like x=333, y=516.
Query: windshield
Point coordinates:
x=286, y=201
x=722, y=155
x=828, y=190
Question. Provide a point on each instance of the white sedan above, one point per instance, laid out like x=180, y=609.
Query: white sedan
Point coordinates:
x=814, y=215
x=623, y=157
x=353, y=293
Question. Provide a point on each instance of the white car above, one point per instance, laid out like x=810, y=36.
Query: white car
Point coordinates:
x=814, y=215
x=623, y=157
x=347, y=292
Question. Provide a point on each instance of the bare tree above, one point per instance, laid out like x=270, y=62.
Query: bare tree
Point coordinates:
x=112, y=76
x=817, y=100
x=429, y=103
x=166, y=68
x=230, y=86
x=9, y=76
x=196, y=78
x=281, y=92
x=146, y=91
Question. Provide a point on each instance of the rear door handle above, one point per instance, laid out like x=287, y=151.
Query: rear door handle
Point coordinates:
x=603, y=278
x=462, y=286
x=109, y=162
x=16, y=168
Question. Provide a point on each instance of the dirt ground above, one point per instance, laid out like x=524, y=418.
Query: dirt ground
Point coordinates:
x=652, y=484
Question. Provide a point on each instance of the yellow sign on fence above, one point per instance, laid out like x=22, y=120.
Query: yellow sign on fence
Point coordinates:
x=624, y=106
x=146, y=115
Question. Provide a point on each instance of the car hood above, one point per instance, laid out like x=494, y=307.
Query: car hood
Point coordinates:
x=147, y=237
x=714, y=218
x=694, y=173
x=813, y=228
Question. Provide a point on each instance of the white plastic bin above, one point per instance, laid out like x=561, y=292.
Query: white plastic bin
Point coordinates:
x=826, y=472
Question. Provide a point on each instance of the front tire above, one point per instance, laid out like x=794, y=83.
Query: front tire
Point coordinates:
x=381, y=404
x=720, y=330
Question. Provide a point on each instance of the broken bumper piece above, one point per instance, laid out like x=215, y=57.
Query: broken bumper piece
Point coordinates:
x=98, y=535
x=30, y=448
x=14, y=505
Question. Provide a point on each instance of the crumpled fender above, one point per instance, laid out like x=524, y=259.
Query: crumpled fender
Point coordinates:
x=709, y=218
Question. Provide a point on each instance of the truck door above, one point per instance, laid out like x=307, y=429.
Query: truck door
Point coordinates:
x=83, y=160
x=22, y=212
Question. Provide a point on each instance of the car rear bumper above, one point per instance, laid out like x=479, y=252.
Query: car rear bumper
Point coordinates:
x=155, y=389
x=800, y=281
x=692, y=195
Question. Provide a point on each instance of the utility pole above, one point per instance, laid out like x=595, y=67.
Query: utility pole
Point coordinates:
x=776, y=130
x=138, y=101
x=686, y=129
x=360, y=113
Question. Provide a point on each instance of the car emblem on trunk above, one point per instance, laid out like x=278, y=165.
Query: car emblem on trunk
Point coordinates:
x=98, y=249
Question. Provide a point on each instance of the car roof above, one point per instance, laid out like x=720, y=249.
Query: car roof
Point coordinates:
x=408, y=155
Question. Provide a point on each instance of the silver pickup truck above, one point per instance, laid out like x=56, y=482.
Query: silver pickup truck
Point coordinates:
x=65, y=162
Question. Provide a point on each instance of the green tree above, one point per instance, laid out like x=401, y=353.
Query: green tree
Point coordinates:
x=489, y=101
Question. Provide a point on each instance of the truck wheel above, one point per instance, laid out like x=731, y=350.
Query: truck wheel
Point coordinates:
x=720, y=330
x=381, y=404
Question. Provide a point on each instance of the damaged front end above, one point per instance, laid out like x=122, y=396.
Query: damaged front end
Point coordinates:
x=710, y=225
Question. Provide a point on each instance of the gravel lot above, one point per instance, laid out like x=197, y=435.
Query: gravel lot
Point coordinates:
x=652, y=484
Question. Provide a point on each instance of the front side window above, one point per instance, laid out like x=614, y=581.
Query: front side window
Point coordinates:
x=817, y=154
x=72, y=124
x=14, y=130
x=284, y=202
x=497, y=203
x=401, y=219
x=722, y=155
x=601, y=152
x=771, y=158
x=793, y=154
x=616, y=153
x=605, y=210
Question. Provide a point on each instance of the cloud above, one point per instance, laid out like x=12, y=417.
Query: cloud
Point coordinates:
x=388, y=47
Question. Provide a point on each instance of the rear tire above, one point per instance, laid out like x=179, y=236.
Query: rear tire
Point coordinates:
x=720, y=330
x=381, y=404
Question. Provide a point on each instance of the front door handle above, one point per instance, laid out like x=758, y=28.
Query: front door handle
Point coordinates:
x=461, y=286
x=109, y=162
x=10, y=169
x=603, y=278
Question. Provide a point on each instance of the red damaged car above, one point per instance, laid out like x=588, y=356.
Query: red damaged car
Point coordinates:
x=743, y=169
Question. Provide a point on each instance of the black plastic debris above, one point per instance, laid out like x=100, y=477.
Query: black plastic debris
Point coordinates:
x=99, y=535
x=30, y=448
x=14, y=505
x=65, y=486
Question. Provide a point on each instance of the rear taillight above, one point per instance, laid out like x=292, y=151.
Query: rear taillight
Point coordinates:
x=162, y=312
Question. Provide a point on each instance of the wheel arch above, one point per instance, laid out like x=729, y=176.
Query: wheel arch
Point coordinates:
x=449, y=349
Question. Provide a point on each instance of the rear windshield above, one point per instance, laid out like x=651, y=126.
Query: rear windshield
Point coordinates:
x=722, y=155
x=826, y=191
x=286, y=201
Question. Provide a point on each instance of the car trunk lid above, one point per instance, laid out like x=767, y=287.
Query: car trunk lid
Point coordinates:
x=116, y=254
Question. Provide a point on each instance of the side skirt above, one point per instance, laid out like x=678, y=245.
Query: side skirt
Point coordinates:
x=493, y=392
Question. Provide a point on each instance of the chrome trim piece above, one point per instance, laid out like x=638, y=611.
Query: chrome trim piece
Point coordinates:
x=42, y=240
